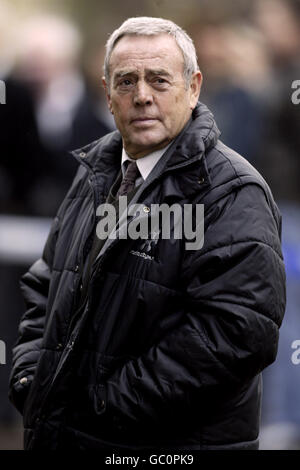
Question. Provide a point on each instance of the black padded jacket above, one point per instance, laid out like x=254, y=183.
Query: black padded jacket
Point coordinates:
x=168, y=350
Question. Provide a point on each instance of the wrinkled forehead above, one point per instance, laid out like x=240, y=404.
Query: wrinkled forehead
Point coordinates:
x=160, y=51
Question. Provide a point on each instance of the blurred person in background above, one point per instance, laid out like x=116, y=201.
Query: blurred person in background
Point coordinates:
x=93, y=57
x=48, y=112
x=279, y=162
x=68, y=115
x=20, y=154
x=19, y=142
x=279, y=159
x=236, y=70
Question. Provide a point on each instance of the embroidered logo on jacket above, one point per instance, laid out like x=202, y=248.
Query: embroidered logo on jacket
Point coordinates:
x=146, y=249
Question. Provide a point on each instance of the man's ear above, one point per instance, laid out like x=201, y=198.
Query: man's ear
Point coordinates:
x=107, y=94
x=195, y=88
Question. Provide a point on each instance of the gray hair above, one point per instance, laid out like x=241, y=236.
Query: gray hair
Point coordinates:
x=148, y=26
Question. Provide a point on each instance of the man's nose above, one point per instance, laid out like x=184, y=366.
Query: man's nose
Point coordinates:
x=143, y=95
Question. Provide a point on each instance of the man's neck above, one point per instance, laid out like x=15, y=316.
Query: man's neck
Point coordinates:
x=147, y=162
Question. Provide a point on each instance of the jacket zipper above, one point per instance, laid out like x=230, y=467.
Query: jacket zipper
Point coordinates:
x=69, y=344
x=97, y=269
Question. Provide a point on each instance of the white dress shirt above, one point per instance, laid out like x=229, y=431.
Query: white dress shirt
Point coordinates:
x=145, y=164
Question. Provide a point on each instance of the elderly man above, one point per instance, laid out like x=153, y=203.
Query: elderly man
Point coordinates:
x=142, y=343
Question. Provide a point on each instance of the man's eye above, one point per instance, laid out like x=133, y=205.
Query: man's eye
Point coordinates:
x=160, y=82
x=125, y=82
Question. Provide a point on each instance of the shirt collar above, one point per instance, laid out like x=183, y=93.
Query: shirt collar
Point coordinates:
x=147, y=163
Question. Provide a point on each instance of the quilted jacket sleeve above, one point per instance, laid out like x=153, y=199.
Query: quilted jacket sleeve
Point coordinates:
x=34, y=286
x=235, y=300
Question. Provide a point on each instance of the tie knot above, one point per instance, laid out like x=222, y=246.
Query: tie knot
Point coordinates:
x=130, y=176
x=131, y=172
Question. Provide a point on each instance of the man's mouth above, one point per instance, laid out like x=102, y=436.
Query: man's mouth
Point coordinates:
x=143, y=121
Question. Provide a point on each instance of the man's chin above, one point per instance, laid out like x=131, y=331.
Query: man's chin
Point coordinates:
x=146, y=146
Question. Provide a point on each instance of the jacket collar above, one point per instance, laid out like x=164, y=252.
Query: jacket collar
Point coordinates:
x=199, y=135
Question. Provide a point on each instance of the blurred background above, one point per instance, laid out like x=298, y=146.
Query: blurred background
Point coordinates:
x=51, y=55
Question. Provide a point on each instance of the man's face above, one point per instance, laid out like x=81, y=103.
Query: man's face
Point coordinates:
x=147, y=93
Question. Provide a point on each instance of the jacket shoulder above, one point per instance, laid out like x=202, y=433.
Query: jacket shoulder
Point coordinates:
x=229, y=172
x=227, y=166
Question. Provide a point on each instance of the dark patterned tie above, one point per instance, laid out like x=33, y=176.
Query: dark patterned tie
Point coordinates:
x=128, y=182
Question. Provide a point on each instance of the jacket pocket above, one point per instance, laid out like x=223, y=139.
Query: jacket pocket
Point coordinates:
x=20, y=390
